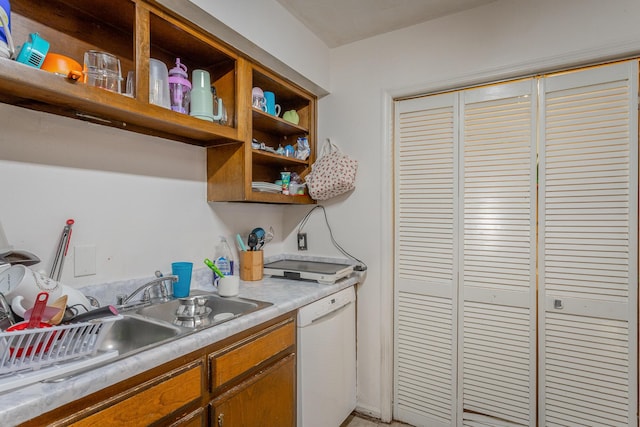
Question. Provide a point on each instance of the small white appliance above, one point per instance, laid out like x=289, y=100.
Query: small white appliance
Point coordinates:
x=326, y=273
x=327, y=360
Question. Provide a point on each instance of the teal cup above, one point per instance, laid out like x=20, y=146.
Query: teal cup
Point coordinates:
x=183, y=270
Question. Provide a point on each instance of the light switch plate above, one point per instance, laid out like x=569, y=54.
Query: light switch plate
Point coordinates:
x=84, y=260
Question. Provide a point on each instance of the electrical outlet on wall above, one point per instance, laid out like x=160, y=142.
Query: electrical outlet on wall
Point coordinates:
x=302, y=241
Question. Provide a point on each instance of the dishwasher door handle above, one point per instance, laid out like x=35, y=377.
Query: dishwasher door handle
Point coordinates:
x=331, y=313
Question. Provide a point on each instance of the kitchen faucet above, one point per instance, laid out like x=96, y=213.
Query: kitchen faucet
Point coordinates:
x=146, y=288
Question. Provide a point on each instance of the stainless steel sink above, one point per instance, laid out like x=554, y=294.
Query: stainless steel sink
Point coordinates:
x=214, y=310
x=131, y=333
x=145, y=327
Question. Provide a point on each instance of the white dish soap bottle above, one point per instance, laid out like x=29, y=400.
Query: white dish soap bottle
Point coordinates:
x=223, y=260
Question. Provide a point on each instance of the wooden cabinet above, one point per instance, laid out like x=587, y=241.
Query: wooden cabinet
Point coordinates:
x=269, y=394
x=248, y=379
x=232, y=168
x=259, y=373
x=135, y=31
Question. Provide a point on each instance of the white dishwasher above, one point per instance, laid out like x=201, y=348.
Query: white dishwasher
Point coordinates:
x=327, y=360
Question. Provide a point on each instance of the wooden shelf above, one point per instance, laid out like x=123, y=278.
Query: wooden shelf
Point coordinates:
x=266, y=158
x=136, y=31
x=32, y=88
x=269, y=123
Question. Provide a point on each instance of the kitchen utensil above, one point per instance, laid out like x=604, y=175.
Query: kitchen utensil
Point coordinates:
x=272, y=108
x=269, y=236
x=40, y=346
x=102, y=69
x=183, y=270
x=213, y=267
x=179, y=88
x=38, y=310
x=61, y=304
x=20, y=281
x=241, y=244
x=219, y=112
x=6, y=315
x=98, y=313
x=228, y=286
x=260, y=234
x=33, y=51
x=61, y=252
x=62, y=65
x=159, y=84
x=291, y=116
x=201, y=99
x=192, y=312
x=252, y=241
x=48, y=313
x=251, y=265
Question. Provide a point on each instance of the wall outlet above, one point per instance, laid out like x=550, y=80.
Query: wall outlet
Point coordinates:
x=302, y=241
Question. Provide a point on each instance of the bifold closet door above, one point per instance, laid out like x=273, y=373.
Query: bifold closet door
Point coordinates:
x=425, y=260
x=588, y=247
x=497, y=291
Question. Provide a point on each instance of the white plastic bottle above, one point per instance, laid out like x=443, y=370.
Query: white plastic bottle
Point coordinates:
x=224, y=259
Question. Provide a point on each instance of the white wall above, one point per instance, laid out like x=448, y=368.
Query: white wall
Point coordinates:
x=508, y=37
x=140, y=200
x=272, y=28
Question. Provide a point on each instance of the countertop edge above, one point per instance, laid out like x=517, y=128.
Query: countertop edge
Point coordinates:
x=286, y=296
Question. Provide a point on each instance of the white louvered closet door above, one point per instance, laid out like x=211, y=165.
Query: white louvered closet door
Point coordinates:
x=588, y=247
x=497, y=314
x=425, y=259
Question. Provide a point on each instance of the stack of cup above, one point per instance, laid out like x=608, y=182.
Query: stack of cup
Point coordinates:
x=201, y=98
x=159, y=84
x=101, y=69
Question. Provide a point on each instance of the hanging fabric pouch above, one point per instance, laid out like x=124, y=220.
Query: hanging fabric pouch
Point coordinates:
x=332, y=174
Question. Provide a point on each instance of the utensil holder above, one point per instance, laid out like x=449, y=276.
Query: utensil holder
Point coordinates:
x=251, y=265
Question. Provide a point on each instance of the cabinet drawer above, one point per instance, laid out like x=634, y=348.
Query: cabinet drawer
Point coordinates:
x=151, y=401
x=234, y=360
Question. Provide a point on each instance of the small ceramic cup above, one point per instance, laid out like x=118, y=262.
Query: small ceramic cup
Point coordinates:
x=228, y=286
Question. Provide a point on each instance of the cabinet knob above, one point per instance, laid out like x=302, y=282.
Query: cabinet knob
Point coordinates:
x=221, y=420
x=557, y=304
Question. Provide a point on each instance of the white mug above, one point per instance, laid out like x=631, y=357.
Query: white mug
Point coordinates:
x=228, y=286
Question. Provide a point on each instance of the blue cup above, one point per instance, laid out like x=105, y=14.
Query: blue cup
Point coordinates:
x=272, y=107
x=183, y=270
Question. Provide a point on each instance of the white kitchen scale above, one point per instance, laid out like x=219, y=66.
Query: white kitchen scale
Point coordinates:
x=326, y=273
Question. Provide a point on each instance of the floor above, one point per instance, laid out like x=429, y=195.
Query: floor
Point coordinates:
x=362, y=421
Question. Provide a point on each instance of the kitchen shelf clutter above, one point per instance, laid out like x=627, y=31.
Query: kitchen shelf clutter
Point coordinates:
x=233, y=168
x=136, y=32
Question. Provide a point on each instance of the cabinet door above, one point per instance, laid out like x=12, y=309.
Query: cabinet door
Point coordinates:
x=588, y=247
x=265, y=400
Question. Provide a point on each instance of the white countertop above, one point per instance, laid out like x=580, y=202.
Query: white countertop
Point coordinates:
x=286, y=295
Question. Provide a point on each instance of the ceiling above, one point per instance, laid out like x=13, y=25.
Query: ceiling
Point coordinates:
x=339, y=22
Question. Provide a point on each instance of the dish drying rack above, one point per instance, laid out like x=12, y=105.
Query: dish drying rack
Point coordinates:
x=31, y=355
